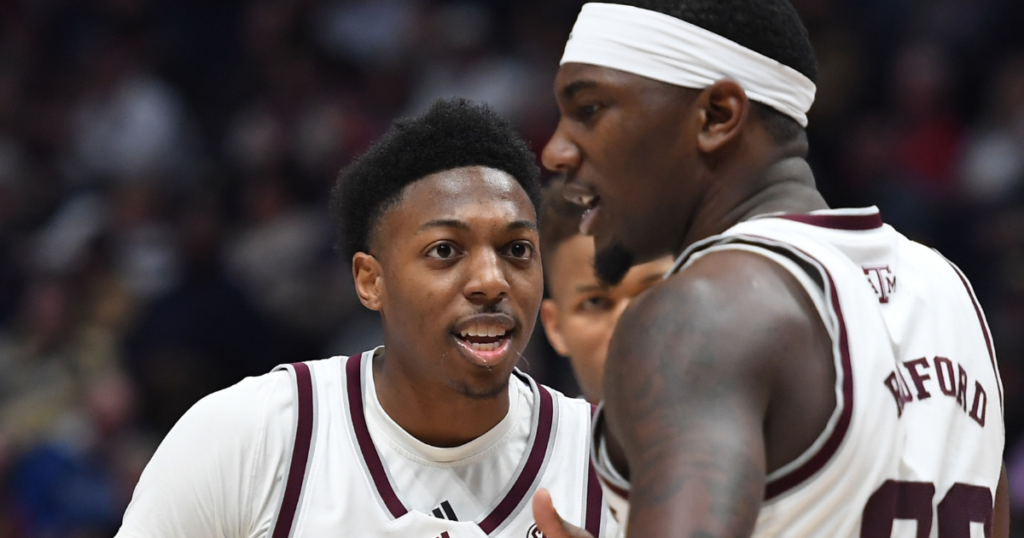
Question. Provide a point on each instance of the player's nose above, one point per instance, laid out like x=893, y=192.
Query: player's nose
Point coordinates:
x=486, y=282
x=560, y=154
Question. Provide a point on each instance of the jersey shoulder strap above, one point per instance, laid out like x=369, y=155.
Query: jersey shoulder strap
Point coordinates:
x=300, y=449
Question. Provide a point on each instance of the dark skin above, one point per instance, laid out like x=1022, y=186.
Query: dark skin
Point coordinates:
x=702, y=407
x=459, y=249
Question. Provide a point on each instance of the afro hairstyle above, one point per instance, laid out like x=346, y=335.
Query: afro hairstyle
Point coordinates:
x=452, y=134
x=770, y=27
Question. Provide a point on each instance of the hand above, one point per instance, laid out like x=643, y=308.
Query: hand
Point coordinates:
x=548, y=520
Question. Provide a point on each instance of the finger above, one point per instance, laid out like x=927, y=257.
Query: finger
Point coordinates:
x=548, y=520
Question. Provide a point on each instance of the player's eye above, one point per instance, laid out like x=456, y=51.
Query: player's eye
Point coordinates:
x=585, y=113
x=520, y=249
x=442, y=251
x=596, y=303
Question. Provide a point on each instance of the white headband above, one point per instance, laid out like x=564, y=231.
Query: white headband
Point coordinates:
x=662, y=47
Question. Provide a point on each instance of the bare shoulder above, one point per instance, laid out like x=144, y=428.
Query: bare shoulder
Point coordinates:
x=732, y=302
x=691, y=375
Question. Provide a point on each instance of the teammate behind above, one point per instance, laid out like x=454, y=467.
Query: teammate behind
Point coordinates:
x=432, y=435
x=580, y=313
x=805, y=371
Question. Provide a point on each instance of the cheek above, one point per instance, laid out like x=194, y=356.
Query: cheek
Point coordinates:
x=528, y=289
x=589, y=335
x=417, y=298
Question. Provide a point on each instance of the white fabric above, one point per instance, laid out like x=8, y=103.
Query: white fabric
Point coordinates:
x=221, y=471
x=667, y=49
x=921, y=308
x=470, y=477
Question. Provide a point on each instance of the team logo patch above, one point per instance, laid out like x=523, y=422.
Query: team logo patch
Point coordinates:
x=882, y=280
x=534, y=532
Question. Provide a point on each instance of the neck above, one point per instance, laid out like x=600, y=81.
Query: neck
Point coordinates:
x=784, y=185
x=432, y=411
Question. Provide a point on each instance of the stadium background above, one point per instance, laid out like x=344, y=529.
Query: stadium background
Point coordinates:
x=164, y=167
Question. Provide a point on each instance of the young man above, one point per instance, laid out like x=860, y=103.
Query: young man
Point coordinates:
x=805, y=371
x=432, y=435
x=580, y=313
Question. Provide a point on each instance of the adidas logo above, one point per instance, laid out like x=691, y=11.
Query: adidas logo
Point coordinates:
x=444, y=511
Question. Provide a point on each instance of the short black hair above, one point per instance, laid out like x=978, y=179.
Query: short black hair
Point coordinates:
x=452, y=134
x=770, y=27
x=559, y=220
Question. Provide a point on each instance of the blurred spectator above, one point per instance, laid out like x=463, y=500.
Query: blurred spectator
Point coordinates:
x=993, y=167
x=164, y=170
x=129, y=125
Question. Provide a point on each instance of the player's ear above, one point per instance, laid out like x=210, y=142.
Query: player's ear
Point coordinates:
x=368, y=275
x=723, y=107
x=549, y=318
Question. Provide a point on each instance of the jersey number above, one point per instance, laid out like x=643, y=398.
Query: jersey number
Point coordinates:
x=963, y=504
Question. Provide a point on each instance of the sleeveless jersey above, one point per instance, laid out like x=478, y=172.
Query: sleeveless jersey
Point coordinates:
x=346, y=487
x=293, y=454
x=915, y=443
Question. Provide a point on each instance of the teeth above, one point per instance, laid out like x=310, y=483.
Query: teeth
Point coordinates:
x=482, y=330
x=485, y=347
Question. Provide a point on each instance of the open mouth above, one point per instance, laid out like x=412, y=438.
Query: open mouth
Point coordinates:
x=484, y=343
x=483, y=338
x=587, y=221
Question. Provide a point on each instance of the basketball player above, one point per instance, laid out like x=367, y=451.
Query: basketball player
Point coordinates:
x=805, y=371
x=433, y=435
x=579, y=314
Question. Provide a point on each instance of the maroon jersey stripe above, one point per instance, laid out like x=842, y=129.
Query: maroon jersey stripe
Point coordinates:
x=838, y=222
x=354, y=378
x=819, y=459
x=300, y=452
x=792, y=479
x=526, y=478
x=615, y=489
x=981, y=321
x=595, y=498
x=594, y=494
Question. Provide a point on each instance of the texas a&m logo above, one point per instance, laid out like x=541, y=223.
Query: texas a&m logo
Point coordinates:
x=882, y=280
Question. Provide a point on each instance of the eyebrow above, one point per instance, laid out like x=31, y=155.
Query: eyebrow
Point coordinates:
x=571, y=89
x=459, y=225
x=444, y=223
x=587, y=288
x=522, y=224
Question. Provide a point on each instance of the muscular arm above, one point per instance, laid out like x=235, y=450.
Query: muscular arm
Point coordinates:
x=692, y=371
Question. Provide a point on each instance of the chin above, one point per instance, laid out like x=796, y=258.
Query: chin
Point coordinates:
x=479, y=391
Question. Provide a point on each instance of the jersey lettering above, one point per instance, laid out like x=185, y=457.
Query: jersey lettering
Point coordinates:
x=920, y=370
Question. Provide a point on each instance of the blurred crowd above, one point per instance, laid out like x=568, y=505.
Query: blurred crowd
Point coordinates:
x=165, y=166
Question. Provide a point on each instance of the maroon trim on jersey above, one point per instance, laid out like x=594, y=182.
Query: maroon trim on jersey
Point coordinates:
x=514, y=497
x=300, y=452
x=595, y=497
x=354, y=379
x=837, y=222
x=984, y=326
x=595, y=500
x=615, y=489
x=526, y=478
x=817, y=461
x=794, y=478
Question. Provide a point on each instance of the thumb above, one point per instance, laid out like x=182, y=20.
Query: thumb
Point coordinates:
x=549, y=522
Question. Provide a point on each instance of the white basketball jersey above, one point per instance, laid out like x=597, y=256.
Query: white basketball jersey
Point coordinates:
x=301, y=453
x=347, y=488
x=914, y=447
